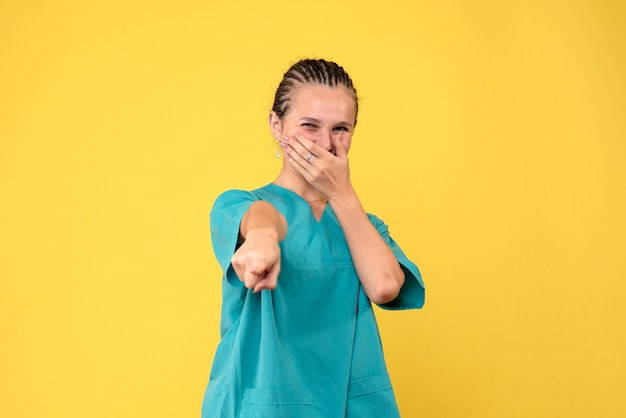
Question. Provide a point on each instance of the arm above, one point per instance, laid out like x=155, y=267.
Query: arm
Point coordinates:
x=377, y=266
x=375, y=263
x=257, y=260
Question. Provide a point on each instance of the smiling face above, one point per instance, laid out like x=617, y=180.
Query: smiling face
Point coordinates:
x=319, y=113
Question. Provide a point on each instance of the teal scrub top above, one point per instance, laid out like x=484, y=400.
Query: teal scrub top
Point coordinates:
x=309, y=348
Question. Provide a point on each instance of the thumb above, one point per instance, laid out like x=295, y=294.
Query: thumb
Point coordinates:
x=340, y=147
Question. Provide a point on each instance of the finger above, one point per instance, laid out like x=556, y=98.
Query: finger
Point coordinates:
x=272, y=273
x=246, y=273
x=257, y=269
x=308, y=147
x=305, y=149
x=263, y=285
x=340, y=147
x=296, y=154
x=239, y=270
x=267, y=283
x=270, y=278
x=253, y=279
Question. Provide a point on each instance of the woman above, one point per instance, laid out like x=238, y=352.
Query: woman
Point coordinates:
x=302, y=262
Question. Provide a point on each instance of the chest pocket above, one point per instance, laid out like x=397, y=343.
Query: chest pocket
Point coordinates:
x=326, y=247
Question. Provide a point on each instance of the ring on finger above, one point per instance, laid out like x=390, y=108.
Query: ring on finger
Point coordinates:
x=308, y=157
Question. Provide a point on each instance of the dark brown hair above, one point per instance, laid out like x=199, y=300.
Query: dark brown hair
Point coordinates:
x=311, y=71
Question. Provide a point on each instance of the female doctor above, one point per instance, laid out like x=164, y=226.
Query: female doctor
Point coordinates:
x=302, y=262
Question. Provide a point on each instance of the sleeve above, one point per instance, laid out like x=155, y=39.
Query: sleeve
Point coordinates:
x=412, y=295
x=225, y=218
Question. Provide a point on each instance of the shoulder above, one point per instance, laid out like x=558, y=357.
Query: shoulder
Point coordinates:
x=234, y=194
x=235, y=198
x=232, y=203
x=230, y=197
x=239, y=195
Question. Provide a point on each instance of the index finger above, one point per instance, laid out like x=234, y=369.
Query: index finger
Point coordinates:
x=310, y=146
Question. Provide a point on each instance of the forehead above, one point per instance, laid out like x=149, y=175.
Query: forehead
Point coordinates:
x=325, y=100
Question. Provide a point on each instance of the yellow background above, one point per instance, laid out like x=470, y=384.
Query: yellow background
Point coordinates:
x=491, y=137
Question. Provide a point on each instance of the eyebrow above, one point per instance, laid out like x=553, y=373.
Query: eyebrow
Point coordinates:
x=317, y=121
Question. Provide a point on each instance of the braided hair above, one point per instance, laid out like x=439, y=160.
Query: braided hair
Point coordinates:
x=311, y=71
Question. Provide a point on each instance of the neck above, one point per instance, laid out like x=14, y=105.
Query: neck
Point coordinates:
x=300, y=186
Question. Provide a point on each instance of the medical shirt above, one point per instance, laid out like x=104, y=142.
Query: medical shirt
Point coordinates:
x=310, y=348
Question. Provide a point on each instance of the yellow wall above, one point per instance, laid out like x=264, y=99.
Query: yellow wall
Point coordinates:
x=491, y=138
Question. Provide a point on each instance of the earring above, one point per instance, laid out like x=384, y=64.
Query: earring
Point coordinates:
x=277, y=149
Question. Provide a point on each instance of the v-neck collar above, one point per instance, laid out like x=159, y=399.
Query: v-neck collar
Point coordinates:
x=301, y=200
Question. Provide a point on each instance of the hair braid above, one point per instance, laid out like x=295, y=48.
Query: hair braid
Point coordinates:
x=310, y=71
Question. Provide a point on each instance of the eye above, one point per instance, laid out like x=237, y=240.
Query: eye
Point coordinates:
x=309, y=125
x=342, y=129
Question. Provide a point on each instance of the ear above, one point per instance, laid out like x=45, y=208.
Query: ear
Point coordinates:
x=276, y=125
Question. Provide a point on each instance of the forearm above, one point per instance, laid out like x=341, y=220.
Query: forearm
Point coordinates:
x=262, y=219
x=376, y=265
x=257, y=260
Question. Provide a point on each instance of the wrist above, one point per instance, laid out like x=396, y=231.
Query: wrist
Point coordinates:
x=263, y=233
x=345, y=198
